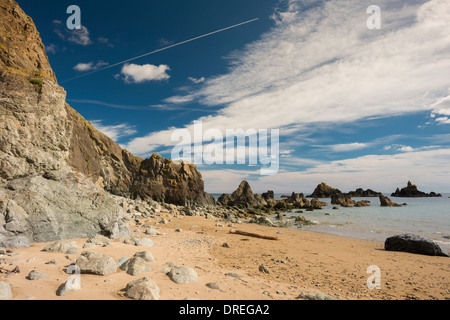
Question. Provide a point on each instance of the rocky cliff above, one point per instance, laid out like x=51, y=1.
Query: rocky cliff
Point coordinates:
x=42, y=137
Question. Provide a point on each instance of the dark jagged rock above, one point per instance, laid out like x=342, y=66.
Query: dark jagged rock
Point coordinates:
x=269, y=195
x=317, y=204
x=361, y=193
x=362, y=203
x=323, y=191
x=411, y=191
x=298, y=200
x=414, y=244
x=386, y=202
x=243, y=197
x=342, y=199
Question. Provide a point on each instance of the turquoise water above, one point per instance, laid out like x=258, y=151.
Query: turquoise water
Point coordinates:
x=428, y=217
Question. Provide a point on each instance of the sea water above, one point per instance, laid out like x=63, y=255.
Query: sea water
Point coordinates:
x=427, y=217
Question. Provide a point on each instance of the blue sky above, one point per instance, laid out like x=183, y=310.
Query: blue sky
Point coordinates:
x=355, y=107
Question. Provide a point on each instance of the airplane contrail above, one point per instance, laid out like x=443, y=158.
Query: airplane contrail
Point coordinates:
x=159, y=50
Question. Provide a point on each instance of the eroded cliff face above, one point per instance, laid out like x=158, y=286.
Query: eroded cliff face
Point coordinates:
x=34, y=133
x=42, y=136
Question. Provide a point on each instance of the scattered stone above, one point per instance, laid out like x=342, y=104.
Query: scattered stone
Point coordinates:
x=318, y=296
x=234, y=275
x=5, y=291
x=183, y=274
x=66, y=288
x=99, y=240
x=263, y=269
x=143, y=242
x=146, y=255
x=60, y=246
x=142, y=289
x=88, y=245
x=213, y=285
x=226, y=245
x=414, y=244
x=136, y=266
x=178, y=230
x=72, y=251
x=153, y=232
x=53, y=261
x=96, y=263
x=121, y=261
x=36, y=275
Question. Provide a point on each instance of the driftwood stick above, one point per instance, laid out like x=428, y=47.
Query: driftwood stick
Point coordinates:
x=254, y=235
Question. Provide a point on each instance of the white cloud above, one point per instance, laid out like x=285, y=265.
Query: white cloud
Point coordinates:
x=324, y=66
x=196, y=81
x=115, y=132
x=83, y=67
x=348, y=147
x=134, y=73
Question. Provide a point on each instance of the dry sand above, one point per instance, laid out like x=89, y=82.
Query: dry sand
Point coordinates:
x=301, y=262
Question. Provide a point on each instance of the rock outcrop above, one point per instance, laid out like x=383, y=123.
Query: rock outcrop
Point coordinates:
x=342, y=199
x=361, y=193
x=411, y=191
x=243, y=197
x=323, y=191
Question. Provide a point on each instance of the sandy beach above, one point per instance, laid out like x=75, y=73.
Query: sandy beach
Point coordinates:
x=300, y=262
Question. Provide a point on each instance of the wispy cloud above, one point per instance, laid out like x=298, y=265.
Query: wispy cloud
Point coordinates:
x=115, y=132
x=84, y=67
x=321, y=64
x=77, y=36
x=196, y=80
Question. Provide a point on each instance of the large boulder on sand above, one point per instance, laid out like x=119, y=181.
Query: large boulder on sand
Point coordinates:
x=414, y=244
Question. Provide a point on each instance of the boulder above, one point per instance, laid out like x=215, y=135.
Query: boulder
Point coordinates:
x=142, y=289
x=146, y=255
x=414, y=244
x=96, y=263
x=15, y=230
x=142, y=242
x=99, y=240
x=36, y=275
x=183, y=274
x=5, y=291
x=386, y=202
x=136, y=266
x=69, y=207
x=60, y=246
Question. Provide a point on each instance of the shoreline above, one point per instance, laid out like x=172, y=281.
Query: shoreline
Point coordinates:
x=301, y=262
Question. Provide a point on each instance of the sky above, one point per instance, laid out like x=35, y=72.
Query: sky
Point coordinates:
x=354, y=106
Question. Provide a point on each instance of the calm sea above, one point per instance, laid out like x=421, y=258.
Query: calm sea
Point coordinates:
x=428, y=217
